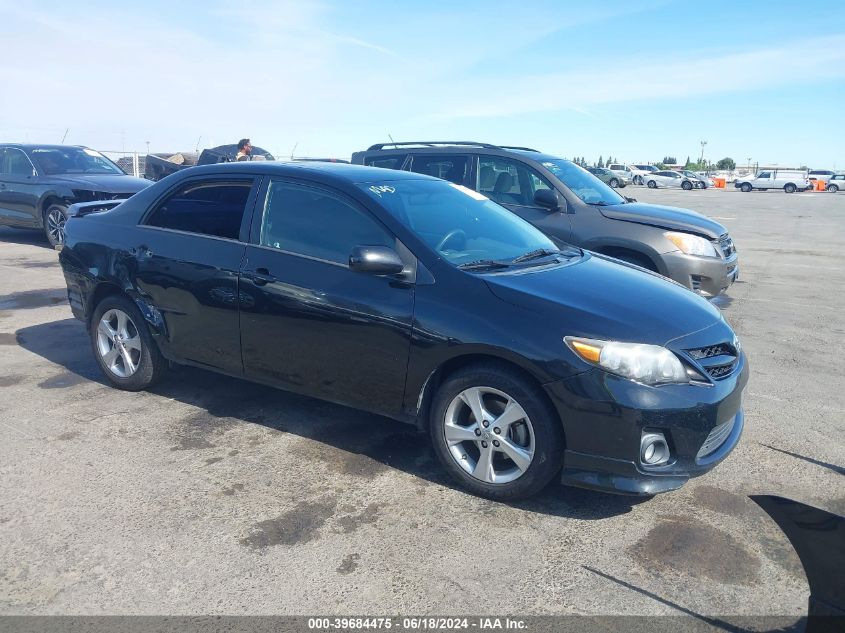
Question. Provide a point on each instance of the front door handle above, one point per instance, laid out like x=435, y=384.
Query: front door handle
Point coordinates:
x=2, y=186
x=141, y=251
x=261, y=277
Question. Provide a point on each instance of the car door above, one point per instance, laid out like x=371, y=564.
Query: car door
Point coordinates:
x=451, y=167
x=185, y=260
x=18, y=188
x=316, y=326
x=512, y=184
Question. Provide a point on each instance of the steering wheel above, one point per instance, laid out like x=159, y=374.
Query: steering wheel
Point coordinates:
x=449, y=237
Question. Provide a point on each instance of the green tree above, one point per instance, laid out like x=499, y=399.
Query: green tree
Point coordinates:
x=669, y=160
x=726, y=163
x=600, y=163
x=688, y=165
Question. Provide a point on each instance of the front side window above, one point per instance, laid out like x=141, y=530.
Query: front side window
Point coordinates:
x=764, y=174
x=457, y=223
x=317, y=223
x=582, y=183
x=451, y=167
x=205, y=207
x=72, y=160
x=508, y=181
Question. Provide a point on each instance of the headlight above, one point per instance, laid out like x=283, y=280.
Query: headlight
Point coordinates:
x=649, y=364
x=691, y=244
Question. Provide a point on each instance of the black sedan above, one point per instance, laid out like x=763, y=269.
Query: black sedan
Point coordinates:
x=421, y=300
x=39, y=182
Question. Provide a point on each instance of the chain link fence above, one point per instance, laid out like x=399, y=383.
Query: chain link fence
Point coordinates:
x=132, y=163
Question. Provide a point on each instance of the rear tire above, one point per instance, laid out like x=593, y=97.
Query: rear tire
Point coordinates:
x=789, y=188
x=55, y=218
x=686, y=185
x=506, y=401
x=652, y=184
x=123, y=345
x=745, y=187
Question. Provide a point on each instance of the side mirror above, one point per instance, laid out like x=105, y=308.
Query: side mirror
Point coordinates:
x=547, y=199
x=376, y=260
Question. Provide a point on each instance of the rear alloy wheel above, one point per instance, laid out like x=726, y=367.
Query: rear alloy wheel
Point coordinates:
x=833, y=188
x=55, y=218
x=686, y=185
x=745, y=187
x=494, y=433
x=652, y=184
x=123, y=345
x=613, y=183
x=789, y=188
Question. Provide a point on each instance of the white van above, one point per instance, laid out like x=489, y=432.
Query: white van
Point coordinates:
x=621, y=169
x=789, y=181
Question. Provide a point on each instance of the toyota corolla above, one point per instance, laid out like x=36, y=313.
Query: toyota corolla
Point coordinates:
x=418, y=299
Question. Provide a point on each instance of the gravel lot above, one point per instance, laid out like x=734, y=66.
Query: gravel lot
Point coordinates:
x=210, y=495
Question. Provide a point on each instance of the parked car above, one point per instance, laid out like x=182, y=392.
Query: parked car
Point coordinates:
x=789, y=181
x=820, y=174
x=39, y=182
x=158, y=166
x=640, y=171
x=569, y=203
x=623, y=170
x=669, y=178
x=608, y=177
x=418, y=299
x=698, y=181
x=836, y=182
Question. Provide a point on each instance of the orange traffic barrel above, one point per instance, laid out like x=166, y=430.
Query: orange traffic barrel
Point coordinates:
x=820, y=185
x=719, y=183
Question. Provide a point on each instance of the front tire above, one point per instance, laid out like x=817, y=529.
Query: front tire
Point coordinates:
x=832, y=188
x=55, y=218
x=614, y=183
x=745, y=188
x=652, y=184
x=494, y=432
x=123, y=345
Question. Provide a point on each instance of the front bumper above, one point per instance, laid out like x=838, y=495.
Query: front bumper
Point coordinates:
x=708, y=276
x=604, y=417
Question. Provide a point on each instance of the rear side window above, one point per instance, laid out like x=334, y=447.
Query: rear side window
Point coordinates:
x=205, y=207
x=317, y=223
x=13, y=162
x=388, y=162
x=452, y=167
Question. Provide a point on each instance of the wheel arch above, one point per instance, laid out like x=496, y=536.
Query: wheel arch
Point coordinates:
x=107, y=288
x=638, y=250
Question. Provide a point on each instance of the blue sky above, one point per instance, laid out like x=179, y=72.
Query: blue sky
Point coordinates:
x=764, y=80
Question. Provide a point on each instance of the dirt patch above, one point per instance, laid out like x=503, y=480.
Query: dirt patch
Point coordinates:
x=351, y=522
x=68, y=435
x=213, y=460
x=348, y=564
x=12, y=379
x=62, y=381
x=721, y=501
x=8, y=339
x=230, y=492
x=692, y=548
x=198, y=430
x=296, y=526
x=29, y=299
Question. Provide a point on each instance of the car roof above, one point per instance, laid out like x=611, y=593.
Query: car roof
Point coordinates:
x=31, y=146
x=327, y=172
x=458, y=147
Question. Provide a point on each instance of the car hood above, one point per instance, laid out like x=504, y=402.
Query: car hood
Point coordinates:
x=102, y=182
x=664, y=217
x=601, y=298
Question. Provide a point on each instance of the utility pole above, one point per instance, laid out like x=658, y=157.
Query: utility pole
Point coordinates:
x=148, y=147
x=701, y=160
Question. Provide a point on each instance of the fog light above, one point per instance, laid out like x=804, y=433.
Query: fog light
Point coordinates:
x=654, y=449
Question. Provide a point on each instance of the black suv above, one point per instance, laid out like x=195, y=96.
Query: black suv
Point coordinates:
x=569, y=203
x=39, y=182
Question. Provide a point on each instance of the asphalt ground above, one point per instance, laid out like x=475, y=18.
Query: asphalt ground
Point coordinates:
x=209, y=495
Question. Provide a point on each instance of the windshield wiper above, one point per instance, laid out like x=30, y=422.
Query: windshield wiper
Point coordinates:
x=600, y=203
x=483, y=264
x=540, y=252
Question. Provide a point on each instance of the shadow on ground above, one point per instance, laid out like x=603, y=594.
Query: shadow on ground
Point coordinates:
x=386, y=443
x=33, y=237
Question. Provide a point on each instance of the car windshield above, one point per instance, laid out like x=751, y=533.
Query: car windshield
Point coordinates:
x=462, y=226
x=72, y=160
x=582, y=183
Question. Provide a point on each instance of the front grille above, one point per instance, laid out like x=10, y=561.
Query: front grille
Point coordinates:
x=716, y=438
x=718, y=360
x=727, y=245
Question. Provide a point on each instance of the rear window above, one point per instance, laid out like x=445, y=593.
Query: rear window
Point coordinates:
x=213, y=208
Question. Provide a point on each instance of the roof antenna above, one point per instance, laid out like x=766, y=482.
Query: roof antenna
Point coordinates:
x=293, y=150
x=391, y=138
x=197, y=148
x=65, y=136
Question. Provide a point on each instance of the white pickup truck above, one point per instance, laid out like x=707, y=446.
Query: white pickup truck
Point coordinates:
x=789, y=181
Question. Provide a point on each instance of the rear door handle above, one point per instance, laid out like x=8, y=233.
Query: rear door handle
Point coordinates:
x=261, y=277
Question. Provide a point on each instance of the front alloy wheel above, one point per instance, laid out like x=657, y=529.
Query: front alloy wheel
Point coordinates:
x=119, y=343
x=55, y=219
x=489, y=435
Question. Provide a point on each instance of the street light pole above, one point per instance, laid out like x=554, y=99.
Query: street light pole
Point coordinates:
x=703, y=143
